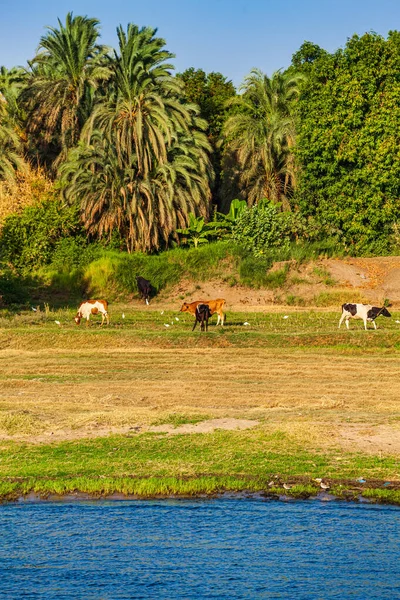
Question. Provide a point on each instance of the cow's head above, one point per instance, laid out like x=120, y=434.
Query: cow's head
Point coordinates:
x=385, y=312
x=185, y=307
x=78, y=318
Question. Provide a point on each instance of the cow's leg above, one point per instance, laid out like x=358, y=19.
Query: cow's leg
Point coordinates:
x=194, y=326
x=87, y=321
x=374, y=324
x=222, y=319
x=207, y=324
x=102, y=319
x=365, y=323
x=347, y=323
x=218, y=318
x=147, y=301
x=341, y=319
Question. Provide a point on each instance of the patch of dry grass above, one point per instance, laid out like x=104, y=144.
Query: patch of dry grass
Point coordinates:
x=71, y=393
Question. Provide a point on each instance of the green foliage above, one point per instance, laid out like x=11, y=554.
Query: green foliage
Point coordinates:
x=348, y=142
x=254, y=272
x=260, y=135
x=210, y=92
x=74, y=252
x=29, y=240
x=12, y=288
x=259, y=228
x=197, y=232
x=227, y=222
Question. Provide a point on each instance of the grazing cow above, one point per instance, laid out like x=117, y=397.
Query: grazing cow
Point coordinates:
x=366, y=312
x=202, y=314
x=216, y=306
x=144, y=288
x=92, y=307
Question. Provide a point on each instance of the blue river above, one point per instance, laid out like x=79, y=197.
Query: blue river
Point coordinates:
x=207, y=548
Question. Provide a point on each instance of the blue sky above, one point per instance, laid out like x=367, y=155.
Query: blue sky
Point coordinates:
x=216, y=35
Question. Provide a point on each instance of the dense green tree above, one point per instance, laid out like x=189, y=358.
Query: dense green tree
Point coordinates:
x=261, y=135
x=349, y=141
x=143, y=164
x=307, y=54
x=210, y=92
x=60, y=92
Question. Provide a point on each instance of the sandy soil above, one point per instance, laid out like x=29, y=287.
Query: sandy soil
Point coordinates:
x=364, y=279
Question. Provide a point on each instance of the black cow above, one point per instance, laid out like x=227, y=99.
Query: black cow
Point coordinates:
x=203, y=313
x=144, y=288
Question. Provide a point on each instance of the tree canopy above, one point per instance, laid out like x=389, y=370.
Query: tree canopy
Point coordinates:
x=349, y=141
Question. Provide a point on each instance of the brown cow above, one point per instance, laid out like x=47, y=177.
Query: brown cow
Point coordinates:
x=216, y=306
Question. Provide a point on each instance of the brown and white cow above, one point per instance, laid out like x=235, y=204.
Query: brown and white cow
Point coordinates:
x=366, y=312
x=216, y=306
x=92, y=307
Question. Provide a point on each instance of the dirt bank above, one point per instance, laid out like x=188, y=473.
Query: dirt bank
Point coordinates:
x=322, y=283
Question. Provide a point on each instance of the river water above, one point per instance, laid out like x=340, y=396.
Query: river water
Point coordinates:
x=219, y=548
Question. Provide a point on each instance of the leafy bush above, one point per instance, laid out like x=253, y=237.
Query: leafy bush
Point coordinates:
x=28, y=240
x=260, y=227
x=74, y=252
x=12, y=288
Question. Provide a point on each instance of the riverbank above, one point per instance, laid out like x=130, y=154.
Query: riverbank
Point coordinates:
x=145, y=410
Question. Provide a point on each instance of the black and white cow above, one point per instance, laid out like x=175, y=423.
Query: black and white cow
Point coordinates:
x=366, y=312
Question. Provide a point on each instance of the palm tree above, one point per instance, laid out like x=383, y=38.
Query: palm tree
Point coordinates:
x=64, y=76
x=261, y=134
x=12, y=81
x=143, y=163
x=11, y=159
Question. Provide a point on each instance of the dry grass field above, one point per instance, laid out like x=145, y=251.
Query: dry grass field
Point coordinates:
x=300, y=375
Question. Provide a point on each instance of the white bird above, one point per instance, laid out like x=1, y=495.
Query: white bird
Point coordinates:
x=287, y=486
x=318, y=479
x=57, y=322
x=397, y=321
x=176, y=319
x=286, y=317
x=246, y=323
x=271, y=483
x=123, y=316
x=166, y=324
x=34, y=309
x=325, y=486
x=162, y=312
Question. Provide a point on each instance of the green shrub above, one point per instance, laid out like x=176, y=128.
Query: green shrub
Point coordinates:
x=260, y=228
x=74, y=252
x=13, y=289
x=28, y=240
